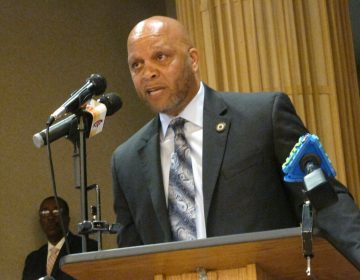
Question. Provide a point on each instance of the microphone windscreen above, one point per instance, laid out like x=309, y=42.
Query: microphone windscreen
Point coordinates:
x=98, y=82
x=112, y=102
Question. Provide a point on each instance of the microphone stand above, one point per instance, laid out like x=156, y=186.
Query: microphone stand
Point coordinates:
x=96, y=225
x=80, y=173
x=306, y=235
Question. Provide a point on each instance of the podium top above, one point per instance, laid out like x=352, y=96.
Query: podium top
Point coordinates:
x=278, y=252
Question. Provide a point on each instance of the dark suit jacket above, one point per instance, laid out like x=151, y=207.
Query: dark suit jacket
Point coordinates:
x=35, y=264
x=243, y=183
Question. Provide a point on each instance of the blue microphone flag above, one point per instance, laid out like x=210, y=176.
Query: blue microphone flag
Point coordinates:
x=307, y=144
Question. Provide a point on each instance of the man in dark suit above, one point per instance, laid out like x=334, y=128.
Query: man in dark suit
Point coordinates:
x=36, y=264
x=238, y=143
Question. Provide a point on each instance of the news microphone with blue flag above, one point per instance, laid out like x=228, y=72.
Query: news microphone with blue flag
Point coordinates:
x=309, y=163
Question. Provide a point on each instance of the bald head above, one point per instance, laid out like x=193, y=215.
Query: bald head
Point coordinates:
x=158, y=26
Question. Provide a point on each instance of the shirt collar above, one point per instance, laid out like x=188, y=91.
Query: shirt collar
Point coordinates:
x=193, y=112
x=58, y=245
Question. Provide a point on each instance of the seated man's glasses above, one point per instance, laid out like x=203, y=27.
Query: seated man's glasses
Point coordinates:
x=46, y=213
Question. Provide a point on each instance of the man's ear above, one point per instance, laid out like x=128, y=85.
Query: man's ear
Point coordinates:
x=194, y=55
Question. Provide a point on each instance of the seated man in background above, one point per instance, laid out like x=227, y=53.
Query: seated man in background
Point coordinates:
x=45, y=260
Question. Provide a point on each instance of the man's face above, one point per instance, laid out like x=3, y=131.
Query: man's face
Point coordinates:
x=50, y=220
x=163, y=70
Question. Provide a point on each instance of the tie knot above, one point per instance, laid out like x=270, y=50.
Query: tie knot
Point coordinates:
x=177, y=125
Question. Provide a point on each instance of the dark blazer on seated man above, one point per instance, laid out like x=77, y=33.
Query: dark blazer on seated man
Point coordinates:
x=240, y=142
x=36, y=262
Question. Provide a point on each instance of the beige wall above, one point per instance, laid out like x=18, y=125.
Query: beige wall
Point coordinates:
x=47, y=50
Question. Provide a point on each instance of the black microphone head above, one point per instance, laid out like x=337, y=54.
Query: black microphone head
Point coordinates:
x=98, y=82
x=112, y=102
x=309, y=162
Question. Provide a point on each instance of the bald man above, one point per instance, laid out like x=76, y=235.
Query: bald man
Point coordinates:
x=236, y=144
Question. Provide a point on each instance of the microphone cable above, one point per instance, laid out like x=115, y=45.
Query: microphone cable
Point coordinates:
x=53, y=181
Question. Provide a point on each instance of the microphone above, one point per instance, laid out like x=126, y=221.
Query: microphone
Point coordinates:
x=94, y=85
x=112, y=102
x=307, y=163
x=69, y=126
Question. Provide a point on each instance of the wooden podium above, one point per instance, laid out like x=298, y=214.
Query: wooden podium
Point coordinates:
x=262, y=255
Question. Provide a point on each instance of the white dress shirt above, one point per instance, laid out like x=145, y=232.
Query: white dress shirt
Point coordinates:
x=193, y=130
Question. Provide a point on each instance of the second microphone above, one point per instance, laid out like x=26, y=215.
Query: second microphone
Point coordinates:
x=68, y=126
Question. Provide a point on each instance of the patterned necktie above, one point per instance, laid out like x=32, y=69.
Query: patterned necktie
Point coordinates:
x=51, y=260
x=181, y=186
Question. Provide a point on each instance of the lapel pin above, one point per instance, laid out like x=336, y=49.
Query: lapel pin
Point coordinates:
x=220, y=127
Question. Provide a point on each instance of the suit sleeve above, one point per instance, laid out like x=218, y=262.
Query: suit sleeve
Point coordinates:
x=128, y=234
x=35, y=265
x=338, y=223
x=27, y=272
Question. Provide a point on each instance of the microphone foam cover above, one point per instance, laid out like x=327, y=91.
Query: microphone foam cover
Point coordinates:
x=112, y=102
x=98, y=82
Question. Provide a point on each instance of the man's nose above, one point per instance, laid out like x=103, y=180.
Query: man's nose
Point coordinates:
x=52, y=217
x=150, y=71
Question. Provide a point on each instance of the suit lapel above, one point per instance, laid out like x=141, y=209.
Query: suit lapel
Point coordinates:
x=216, y=127
x=62, y=253
x=42, y=261
x=56, y=266
x=153, y=174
